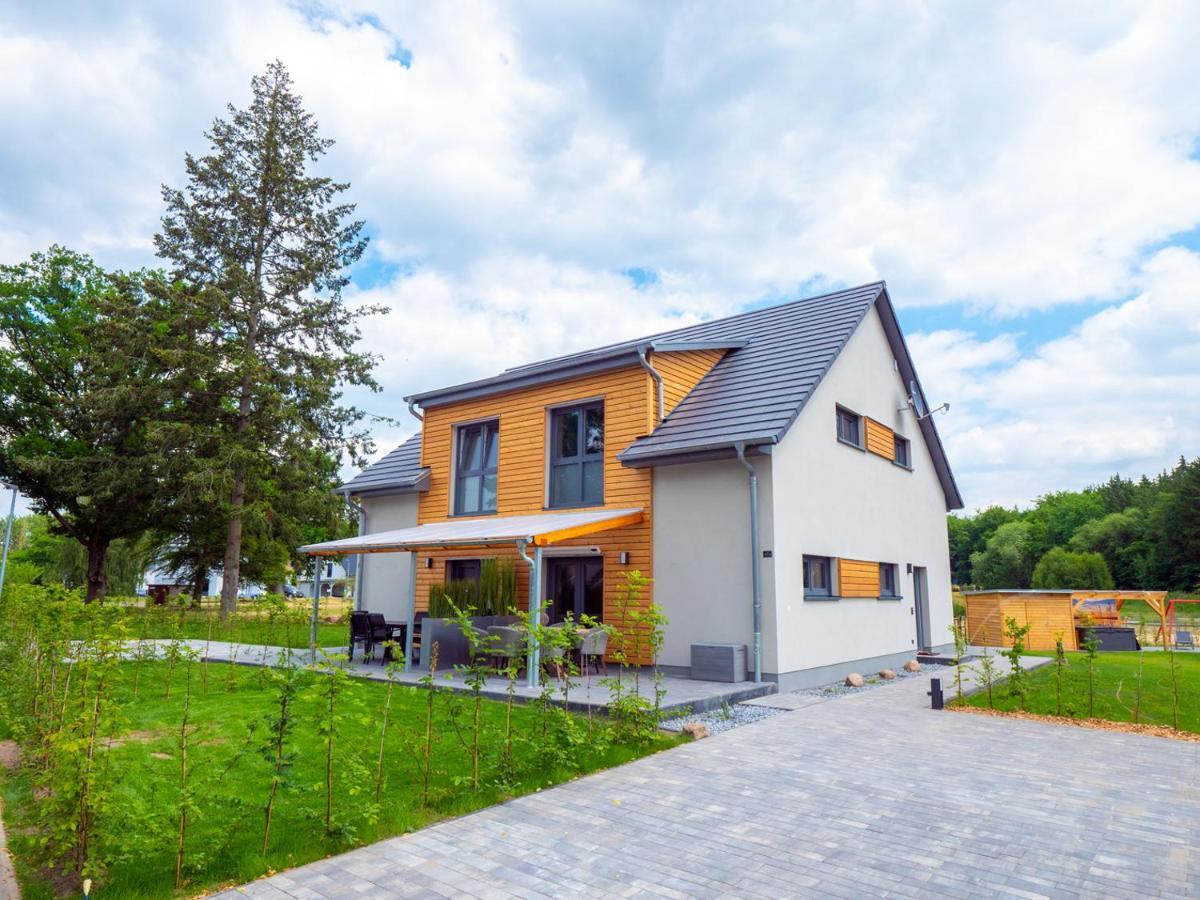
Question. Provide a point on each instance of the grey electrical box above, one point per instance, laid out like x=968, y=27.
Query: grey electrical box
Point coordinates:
x=719, y=662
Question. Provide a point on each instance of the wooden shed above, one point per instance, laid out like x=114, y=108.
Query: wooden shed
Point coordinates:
x=1048, y=613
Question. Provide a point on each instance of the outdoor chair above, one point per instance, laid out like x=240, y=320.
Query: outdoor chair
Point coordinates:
x=418, y=618
x=1184, y=641
x=380, y=631
x=591, y=651
x=507, y=644
x=360, y=633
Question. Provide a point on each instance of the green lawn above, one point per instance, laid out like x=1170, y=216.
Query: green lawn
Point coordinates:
x=1116, y=689
x=253, y=624
x=232, y=776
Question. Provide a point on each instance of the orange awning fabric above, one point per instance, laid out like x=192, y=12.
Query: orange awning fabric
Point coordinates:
x=536, y=530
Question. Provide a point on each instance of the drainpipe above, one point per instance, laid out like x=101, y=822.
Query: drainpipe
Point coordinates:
x=361, y=576
x=412, y=408
x=642, y=358
x=316, y=610
x=532, y=664
x=755, y=553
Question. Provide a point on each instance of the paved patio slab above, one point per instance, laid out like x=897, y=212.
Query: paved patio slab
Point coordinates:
x=866, y=795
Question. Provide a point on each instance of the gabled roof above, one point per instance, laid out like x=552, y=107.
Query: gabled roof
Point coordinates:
x=776, y=358
x=399, y=472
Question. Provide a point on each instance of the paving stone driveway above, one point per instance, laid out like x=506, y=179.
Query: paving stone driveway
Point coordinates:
x=868, y=795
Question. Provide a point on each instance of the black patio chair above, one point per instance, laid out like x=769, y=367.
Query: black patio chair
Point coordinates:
x=380, y=631
x=360, y=632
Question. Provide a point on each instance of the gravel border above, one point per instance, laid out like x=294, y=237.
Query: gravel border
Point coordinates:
x=841, y=689
x=726, y=719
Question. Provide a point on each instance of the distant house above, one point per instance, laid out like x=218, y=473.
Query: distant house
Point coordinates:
x=645, y=454
x=337, y=579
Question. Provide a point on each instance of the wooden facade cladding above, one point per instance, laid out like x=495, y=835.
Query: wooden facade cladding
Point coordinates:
x=681, y=371
x=881, y=440
x=523, y=416
x=858, y=578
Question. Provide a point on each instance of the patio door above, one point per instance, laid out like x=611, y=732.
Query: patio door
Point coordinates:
x=576, y=585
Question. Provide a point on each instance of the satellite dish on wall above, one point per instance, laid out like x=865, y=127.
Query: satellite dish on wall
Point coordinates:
x=914, y=397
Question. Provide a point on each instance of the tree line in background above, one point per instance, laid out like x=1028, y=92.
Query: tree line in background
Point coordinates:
x=1142, y=534
x=197, y=410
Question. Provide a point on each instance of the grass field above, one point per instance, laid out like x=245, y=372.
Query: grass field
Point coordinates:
x=255, y=623
x=232, y=777
x=1116, y=689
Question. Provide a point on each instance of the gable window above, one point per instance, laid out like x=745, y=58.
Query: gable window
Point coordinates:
x=475, y=468
x=462, y=570
x=903, y=458
x=577, y=455
x=888, y=581
x=849, y=427
x=818, y=581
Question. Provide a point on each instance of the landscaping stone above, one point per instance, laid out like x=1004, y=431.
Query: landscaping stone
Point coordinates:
x=887, y=674
x=695, y=730
x=854, y=680
x=912, y=666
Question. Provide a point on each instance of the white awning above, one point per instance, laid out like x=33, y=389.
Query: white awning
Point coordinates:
x=537, y=530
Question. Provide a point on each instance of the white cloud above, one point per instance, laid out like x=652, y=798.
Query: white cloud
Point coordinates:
x=1006, y=157
x=1118, y=394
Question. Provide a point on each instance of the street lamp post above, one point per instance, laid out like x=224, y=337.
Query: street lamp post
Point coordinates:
x=12, y=510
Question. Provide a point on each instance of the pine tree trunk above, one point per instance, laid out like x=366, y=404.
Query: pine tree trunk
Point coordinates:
x=97, y=569
x=199, y=585
x=231, y=574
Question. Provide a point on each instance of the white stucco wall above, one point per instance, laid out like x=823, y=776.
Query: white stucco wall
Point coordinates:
x=387, y=579
x=834, y=500
x=702, y=576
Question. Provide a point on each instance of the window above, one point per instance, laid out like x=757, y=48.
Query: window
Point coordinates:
x=817, y=576
x=902, y=455
x=577, y=455
x=849, y=427
x=475, y=468
x=462, y=570
x=888, y=580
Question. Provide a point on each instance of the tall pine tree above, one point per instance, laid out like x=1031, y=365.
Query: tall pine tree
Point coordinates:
x=275, y=243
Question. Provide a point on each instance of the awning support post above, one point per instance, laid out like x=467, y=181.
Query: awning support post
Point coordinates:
x=316, y=610
x=532, y=663
x=412, y=610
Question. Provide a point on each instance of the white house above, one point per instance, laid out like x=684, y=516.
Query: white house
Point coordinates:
x=651, y=454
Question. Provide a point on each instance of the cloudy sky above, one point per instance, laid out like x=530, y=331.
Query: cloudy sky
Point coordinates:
x=539, y=177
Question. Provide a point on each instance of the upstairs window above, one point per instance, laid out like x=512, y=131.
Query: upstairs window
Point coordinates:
x=849, y=427
x=903, y=457
x=817, y=576
x=888, y=580
x=577, y=455
x=475, y=468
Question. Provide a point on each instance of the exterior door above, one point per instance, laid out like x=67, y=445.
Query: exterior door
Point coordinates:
x=576, y=586
x=921, y=608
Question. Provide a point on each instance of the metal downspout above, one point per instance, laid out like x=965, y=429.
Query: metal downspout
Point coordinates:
x=658, y=379
x=532, y=664
x=755, y=553
x=360, y=578
x=412, y=408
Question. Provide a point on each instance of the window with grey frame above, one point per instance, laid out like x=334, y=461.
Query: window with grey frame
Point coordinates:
x=889, y=581
x=818, y=576
x=577, y=455
x=903, y=452
x=849, y=427
x=476, y=467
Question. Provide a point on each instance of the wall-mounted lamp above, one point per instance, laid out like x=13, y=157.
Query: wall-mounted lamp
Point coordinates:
x=429, y=562
x=624, y=557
